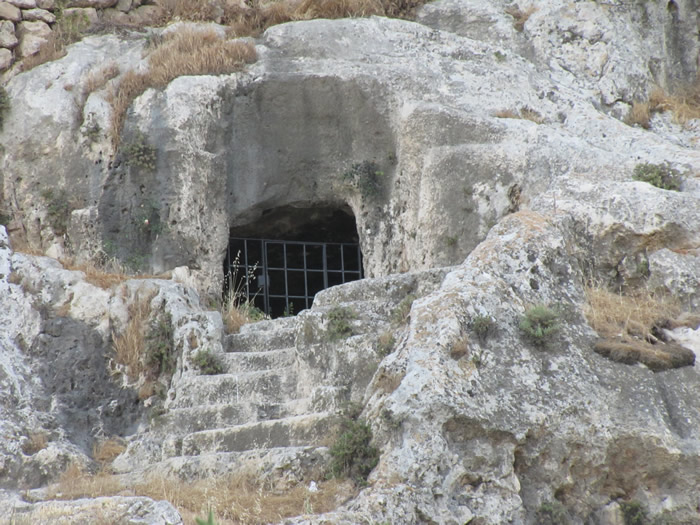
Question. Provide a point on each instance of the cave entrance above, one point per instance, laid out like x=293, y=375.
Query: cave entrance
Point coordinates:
x=283, y=259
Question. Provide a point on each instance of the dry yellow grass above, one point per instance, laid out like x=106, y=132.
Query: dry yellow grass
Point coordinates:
x=106, y=451
x=128, y=346
x=524, y=113
x=187, y=52
x=628, y=316
x=36, y=441
x=233, y=500
x=98, y=79
x=639, y=115
x=105, y=277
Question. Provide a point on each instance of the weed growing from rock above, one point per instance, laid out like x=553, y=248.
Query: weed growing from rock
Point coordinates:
x=4, y=105
x=553, y=513
x=160, y=350
x=67, y=30
x=352, y=455
x=339, y=326
x=138, y=152
x=459, y=348
x=403, y=309
x=208, y=521
x=634, y=513
x=660, y=175
x=208, y=362
x=58, y=209
x=365, y=177
x=539, y=324
x=482, y=326
x=385, y=344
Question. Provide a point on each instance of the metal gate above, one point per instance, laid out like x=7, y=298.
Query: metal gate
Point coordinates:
x=282, y=277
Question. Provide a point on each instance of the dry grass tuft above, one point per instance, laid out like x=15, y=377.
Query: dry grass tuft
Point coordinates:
x=525, y=113
x=639, y=115
x=233, y=500
x=684, y=104
x=460, y=348
x=128, y=346
x=36, y=441
x=628, y=316
x=631, y=328
x=98, y=79
x=106, y=451
x=310, y=9
x=187, y=52
x=520, y=16
x=104, y=277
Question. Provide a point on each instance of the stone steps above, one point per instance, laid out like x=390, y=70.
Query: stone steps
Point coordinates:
x=194, y=419
x=237, y=362
x=262, y=387
x=303, y=430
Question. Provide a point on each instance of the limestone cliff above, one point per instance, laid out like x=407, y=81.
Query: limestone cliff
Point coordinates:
x=519, y=156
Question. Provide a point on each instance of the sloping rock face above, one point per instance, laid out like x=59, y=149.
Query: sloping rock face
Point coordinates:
x=473, y=427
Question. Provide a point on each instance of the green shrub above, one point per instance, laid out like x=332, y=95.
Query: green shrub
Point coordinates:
x=339, y=326
x=140, y=153
x=634, y=513
x=58, y=209
x=352, y=456
x=209, y=521
x=552, y=513
x=660, y=175
x=365, y=177
x=539, y=324
x=160, y=349
x=482, y=326
x=4, y=105
x=208, y=362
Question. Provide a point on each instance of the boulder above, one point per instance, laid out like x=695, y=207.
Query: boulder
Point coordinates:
x=95, y=4
x=8, y=39
x=6, y=58
x=31, y=36
x=38, y=14
x=10, y=12
x=23, y=4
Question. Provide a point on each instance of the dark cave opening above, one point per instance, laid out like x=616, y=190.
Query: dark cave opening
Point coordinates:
x=281, y=260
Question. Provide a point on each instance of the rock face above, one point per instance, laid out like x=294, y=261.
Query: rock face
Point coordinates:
x=482, y=139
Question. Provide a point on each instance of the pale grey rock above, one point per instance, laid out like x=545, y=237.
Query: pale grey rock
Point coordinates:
x=31, y=36
x=117, y=509
x=89, y=14
x=124, y=5
x=94, y=4
x=49, y=5
x=24, y=4
x=10, y=12
x=38, y=14
x=7, y=35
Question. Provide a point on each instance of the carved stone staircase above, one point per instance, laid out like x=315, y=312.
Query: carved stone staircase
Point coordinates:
x=275, y=408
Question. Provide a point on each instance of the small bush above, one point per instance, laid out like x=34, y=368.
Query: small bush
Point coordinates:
x=365, y=177
x=208, y=363
x=659, y=175
x=208, y=521
x=58, y=209
x=160, y=350
x=403, y=309
x=539, y=324
x=482, y=326
x=634, y=513
x=385, y=344
x=352, y=455
x=35, y=442
x=4, y=105
x=140, y=153
x=339, y=326
x=553, y=513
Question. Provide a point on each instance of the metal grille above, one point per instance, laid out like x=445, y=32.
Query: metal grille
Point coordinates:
x=282, y=277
